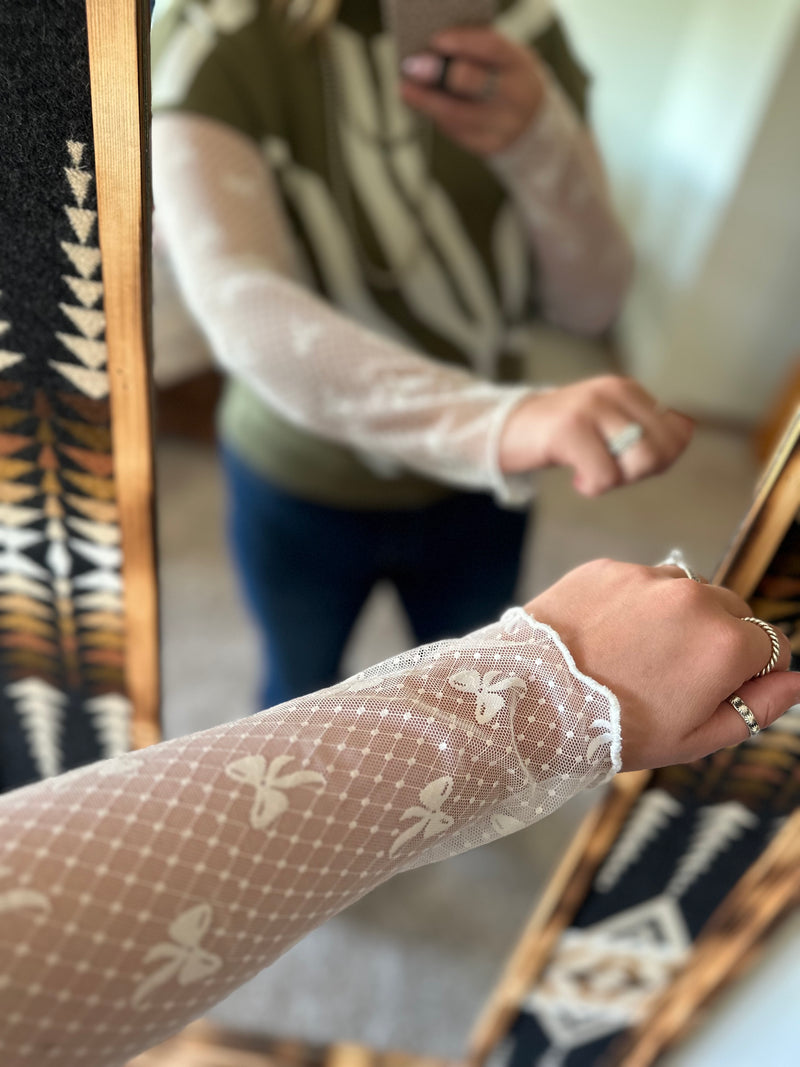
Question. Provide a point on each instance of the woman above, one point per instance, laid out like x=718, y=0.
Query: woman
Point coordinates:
x=136, y=893
x=364, y=252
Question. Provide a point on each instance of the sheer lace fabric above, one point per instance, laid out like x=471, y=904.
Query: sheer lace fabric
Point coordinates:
x=555, y=174
x=220, y=214
x=137, y=892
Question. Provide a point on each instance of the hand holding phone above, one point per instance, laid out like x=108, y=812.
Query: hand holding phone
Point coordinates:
x=480, y=88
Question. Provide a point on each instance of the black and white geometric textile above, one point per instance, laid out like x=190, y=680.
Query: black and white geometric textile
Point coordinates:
x=62, y=692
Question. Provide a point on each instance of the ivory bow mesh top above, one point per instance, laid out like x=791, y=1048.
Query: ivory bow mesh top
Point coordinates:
x=137, y=892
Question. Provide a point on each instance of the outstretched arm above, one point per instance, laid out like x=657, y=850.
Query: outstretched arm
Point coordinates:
x=220, y=213
x=137, y=892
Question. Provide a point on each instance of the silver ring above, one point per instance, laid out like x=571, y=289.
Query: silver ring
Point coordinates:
x=746, y=714
x=625, y=439
x=676, y=559
x=776, y=645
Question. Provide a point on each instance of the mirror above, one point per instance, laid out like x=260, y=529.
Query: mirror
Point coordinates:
x=703, y=169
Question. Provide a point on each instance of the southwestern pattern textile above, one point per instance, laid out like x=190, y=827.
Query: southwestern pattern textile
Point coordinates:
x=693, y=833
x=62, y=693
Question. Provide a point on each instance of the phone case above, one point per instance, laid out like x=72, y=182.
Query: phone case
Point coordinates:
x=414, y=22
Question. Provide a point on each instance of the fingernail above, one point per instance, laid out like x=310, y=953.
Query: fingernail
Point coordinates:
x=423, y=67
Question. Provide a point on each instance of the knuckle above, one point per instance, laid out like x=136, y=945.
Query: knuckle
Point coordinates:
x=614, y=384
x=728, y=641
x=574, y=420
x=690, y=600
x=639, y=572
x=600, y=569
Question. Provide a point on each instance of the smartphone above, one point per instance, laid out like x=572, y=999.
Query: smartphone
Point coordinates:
x=413, y=23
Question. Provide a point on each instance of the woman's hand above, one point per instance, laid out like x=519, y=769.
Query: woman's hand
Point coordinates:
x=672, y=650
x=492, y=88
x=580, y=426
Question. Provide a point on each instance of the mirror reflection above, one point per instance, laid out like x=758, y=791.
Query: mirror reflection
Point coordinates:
x=432, y=306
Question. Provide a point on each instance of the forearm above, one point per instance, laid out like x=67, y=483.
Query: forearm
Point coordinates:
x=555, y=175
x=220, y=214
x=138, y=892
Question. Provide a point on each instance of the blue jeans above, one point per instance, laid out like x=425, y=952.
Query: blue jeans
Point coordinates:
x=307, y=569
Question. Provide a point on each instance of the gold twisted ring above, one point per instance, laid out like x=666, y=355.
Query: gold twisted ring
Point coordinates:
x=776, y=645
x=746, y=714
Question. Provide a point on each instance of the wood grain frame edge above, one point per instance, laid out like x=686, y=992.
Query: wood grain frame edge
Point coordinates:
x=119, y=76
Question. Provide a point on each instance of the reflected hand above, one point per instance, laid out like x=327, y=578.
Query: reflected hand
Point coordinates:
x=573, y=426
x=672, y=651
x=493, y=87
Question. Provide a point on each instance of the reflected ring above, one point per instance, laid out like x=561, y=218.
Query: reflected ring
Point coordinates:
x=625, y=439
x=444, y=73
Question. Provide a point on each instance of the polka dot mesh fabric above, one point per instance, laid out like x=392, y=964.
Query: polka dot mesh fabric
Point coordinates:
x=137, y=892
x=556, y=176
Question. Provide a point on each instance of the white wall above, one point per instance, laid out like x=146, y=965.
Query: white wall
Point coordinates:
x=694, y=106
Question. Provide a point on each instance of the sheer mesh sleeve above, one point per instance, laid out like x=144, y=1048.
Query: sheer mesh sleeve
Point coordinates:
x=137, y=892
x=221, y=217
x=554, y=173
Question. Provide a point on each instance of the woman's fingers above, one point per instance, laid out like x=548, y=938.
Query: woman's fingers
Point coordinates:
x=480, y=88
x=585, y=451
x=620, y=408
x=665, y=435
x=462, y=76
x=768, y=698
x=601, y=428
x=449, y=111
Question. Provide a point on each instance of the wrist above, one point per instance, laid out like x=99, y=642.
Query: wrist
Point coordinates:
x=519, y=446
x=573, y=732
x=535, y=143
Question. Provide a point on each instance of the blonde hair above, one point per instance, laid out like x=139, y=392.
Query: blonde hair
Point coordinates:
x=308, y=16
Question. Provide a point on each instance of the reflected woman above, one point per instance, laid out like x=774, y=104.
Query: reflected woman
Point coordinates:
x=364, y=246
